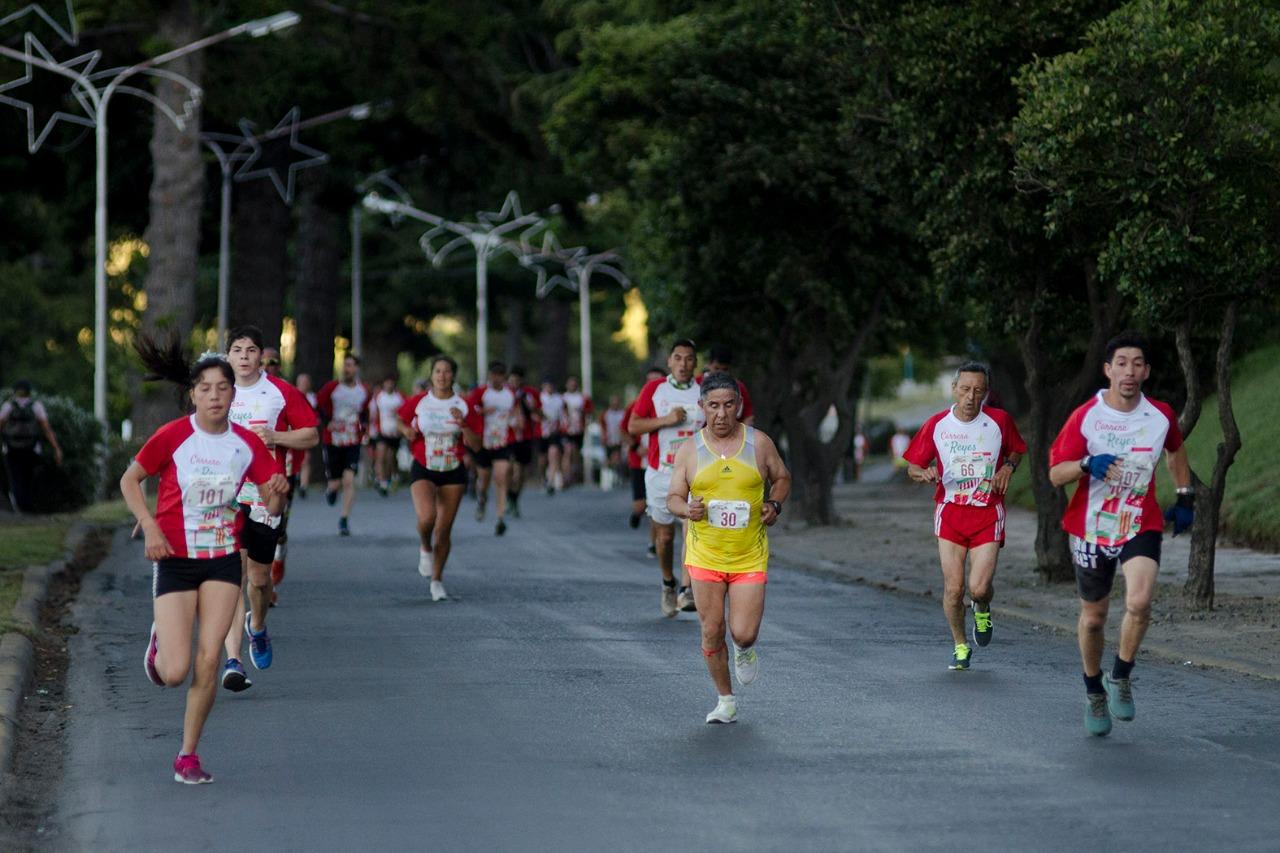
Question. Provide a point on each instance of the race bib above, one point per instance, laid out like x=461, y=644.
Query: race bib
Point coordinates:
x=213, y=498
x=495, y=432
x=729, y=515
x=681, y=436
x=972, y=473
x=344, y=433
x=208, y=492
x=440, y=451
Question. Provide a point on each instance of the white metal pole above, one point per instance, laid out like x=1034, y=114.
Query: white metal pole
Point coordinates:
x=584, y=352
x=100, y=269
x=482, y=309
x=224, y=256
x=357, y=283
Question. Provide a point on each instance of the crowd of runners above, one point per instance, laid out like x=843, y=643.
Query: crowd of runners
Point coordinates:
x=698, y=468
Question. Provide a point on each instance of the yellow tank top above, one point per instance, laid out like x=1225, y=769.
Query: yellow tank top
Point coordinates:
x=731, y=538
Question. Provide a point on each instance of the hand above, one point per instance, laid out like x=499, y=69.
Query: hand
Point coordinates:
x=679, y=414
x=268, y=436
x=768, y=515
x=57, y=456
x=1105, y=466
x=156, y=546
x=923, y=475
x=697, y=512
x=277, y=485
x=1000, y=482
x=458, y=416
x=1182, y=514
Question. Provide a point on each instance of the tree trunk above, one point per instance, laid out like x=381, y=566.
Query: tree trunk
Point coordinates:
x=320, y=244
x=515, y=332
x=555, y=340
x=176, y=196
x=1204, y=530
x=260, y=259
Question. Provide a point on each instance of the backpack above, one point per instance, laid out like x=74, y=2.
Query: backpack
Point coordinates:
x=22, y=430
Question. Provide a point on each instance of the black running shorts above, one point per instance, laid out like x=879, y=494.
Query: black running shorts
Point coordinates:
x=1096, y=564
x=258, y=539
x=456, y=477
x=340, y=459
x=184, y=574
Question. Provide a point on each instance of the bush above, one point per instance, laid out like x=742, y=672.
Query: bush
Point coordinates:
x=74, y=484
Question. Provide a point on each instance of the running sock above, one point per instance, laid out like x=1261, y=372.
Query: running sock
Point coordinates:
x=1093, y=683
x=669, y=584
x=684, y=589
x=1122, y=668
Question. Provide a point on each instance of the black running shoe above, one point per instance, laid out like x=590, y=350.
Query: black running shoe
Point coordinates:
x=343, y=529
x=635, y=520
x=331, y=498
x=981, y=626
x=500, y=528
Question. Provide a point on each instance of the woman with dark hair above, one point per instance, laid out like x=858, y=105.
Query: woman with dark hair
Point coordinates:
x=434, y=422
x=202, y=460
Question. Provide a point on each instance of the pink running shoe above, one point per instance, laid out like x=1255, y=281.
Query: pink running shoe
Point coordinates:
x=187, y=770
x=149, y=660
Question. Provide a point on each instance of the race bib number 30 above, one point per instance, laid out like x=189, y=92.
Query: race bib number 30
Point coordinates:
x=729, y=515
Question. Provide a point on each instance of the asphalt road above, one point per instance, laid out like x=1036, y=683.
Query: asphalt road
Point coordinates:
x=549, y=706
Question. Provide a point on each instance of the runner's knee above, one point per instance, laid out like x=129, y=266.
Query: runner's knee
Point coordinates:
x=746, y=637
x=1093, y=621
x=980, y=591
x=1137, y=606
x=712, y=631
x=259, y=575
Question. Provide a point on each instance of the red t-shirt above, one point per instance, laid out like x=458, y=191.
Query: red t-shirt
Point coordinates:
x=968, y=454
x=1111, y=514
x=437, y=443
x=346, y=411
x=634, y=459
x=200, y=476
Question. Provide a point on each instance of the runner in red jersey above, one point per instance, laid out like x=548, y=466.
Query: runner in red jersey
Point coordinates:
x=490, y=407
x=525, y=430
x=637, y=455
x=300, y=460
x=279, y=415
x=193, y=538
x=577, y=411
x=384, y=431
x=435, y=424
x=551, y=423
x=977, y=449
x=1111, y=445
x=720, y=360
x=344, y=409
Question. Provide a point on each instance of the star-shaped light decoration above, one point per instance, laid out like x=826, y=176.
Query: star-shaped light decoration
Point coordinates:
x=255, y=166
x=33, y=49
x=489, y=234
x=551, y=253
x=70, y=33
x=195, y=95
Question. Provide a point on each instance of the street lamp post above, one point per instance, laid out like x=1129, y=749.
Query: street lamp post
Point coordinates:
x=101, y=100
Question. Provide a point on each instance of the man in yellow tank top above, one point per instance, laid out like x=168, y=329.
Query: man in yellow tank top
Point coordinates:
x=718, y=485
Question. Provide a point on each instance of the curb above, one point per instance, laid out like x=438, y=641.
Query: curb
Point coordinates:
x=841, y=573
x=16, y=650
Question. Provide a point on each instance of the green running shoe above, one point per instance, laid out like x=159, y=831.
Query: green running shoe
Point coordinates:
x=960, y=660
x=981, y=626
x=1097, y=719
x=1119, y=697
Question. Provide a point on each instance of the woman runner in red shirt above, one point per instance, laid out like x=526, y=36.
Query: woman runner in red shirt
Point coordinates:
x=202, y=460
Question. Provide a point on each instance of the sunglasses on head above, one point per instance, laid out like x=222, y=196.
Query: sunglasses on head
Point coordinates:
x=270, y=361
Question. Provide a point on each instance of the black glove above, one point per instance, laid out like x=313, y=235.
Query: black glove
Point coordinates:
x=1182, y=513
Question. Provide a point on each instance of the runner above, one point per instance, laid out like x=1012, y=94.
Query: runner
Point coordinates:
x=301, y=459
x=977, y=448
x=384, y=431
x=1111, y=445
x=193, y=539
x=271, y=362
x=279, y=415
x=898, y=444
x=577, y=408
x=552, y=436
x=637, y=463
x=434, y=422
x=489, y=408
x=23, y=420
x=524, y=435
x=344, y=410
x=718, y=486
x=669, y=409
x=611, y=434
x=720, y=360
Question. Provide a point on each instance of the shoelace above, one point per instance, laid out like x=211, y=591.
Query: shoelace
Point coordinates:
x=982, y=621
x=1124, y=688
x=962, y=651
x=1097, y=704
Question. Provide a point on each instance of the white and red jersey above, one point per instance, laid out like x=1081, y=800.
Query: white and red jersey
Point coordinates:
x=611, y=426
x=1111, y=514
x=637, y=447
x=383, y=409
x=968, y=454
x=577, y=406
x=298, y=458
x=489, y=414
x=524, y=426
x=346, y=408
x=656, y=400
x=438, y=443
x=552, y=414
x=200, y=475
x=273, y=403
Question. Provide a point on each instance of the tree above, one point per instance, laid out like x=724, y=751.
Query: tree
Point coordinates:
x=1157, y=139
x=941, y=98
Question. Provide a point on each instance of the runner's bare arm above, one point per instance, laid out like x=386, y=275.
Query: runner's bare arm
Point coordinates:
x=922, y=475
x=303, y=438
x=52, y=439
x=769, y=461
x=1000, y=482
x=640, y=426
x=1179, y=466
x=157, y=546
x=678, y=502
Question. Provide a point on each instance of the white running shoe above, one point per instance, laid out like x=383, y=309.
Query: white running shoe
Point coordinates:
x=424, y=563
x=746, y=664
x=726, y=711
x=437, y=591
x=669, y=608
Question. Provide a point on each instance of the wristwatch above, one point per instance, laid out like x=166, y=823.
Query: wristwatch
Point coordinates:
x=1084, y=464
x=777, y=506
x=1011, y=464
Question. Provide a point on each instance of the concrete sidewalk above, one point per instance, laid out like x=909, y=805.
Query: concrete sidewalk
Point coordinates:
x=886, y=540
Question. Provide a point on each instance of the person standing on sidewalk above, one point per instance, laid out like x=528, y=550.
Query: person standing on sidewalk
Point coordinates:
x=23, y=421
x=344, y=410
x=667, y=411
x=977, y=449
x=1111, y=446
x=718, y=486
x=193, y=539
